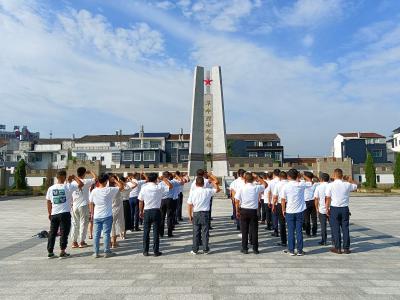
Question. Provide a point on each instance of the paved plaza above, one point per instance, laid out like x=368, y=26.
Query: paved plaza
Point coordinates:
x=371, y=272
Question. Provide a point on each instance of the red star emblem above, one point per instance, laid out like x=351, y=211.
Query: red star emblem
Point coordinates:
x=207, y=81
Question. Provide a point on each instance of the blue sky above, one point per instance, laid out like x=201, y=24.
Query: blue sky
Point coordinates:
x=305, y=69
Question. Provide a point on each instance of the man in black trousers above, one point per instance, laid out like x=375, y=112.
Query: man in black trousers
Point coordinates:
x=246, y=209
x=149, y=205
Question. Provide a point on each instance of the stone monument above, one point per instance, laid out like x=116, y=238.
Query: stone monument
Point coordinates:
x=208, y=133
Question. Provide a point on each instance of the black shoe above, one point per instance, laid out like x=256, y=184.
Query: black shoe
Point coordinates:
x=274, y=234
x=210, y=228
x=238, y=228
x=232, y=217
x=244, y=251
x=314, y=234
x=145, y=253
x=51, y=255
x=322, y=243
x=138, y=229
x=256, y=252
x=170, y=235
x=180, y=219
x=157, y=253
x=281, y=244
x=211, y=219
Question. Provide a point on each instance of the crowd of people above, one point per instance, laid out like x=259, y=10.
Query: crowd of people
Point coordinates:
x=108, y=206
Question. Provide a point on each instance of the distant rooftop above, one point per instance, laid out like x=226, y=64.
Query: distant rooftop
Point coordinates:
x=253, y=136
x=363, y=135
x=153, y=134
x=104, y=138
x=53, y=141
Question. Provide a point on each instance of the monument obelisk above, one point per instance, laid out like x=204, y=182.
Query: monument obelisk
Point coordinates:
x=208, y=132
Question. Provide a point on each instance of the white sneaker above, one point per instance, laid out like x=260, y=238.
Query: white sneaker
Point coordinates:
x=193, y=253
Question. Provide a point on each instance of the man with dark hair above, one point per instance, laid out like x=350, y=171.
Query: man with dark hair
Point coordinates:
x=320, y=206
x=180, y=195
x=246, y=209
x=80, y=208
x=59, y=198
x=337, y=205
x=310, y=212
x=293, y=206
x=101, y=199
x=277, y=198
x=198, y=210
x=150, y=198
x=235, y=185
x=268, y=195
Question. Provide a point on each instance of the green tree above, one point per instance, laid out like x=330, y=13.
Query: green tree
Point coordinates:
x=370, y=174
x=20, y=175
x=396, y=172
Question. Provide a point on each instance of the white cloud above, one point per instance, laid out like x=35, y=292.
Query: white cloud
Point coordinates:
x=305, y=13
x=95, y=32
x=66, y=78
x=223, y=15
x=308, y=40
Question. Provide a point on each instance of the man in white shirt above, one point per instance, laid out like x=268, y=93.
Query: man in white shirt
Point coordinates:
x=268, y=195
x=235, y=185
x=134, y=201
x=59, y=198
x=277, y=199
x=293, y=207
x=337, y=205
x=177, y=182
x=198, y=210
x=101, y=199
x=150, y=198
x=268, y=206
x=310, y=212
x=320, y=206
x=80, y=208
x=246, y=209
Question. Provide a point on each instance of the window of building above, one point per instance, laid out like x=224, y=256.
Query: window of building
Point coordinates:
x=253, y=154
x=81, y=156
x=62, y=157
x=269, y=144
x=137, y=156
x=135, y=144
x=395, y=142
x=18, y=157
x=38, y=156
x=127, y=156
x=268, y=154
x=185, y=145
x=378, y=178
x=54, y=157
x=175, y=144
x=94, y=158
x=377, y=153
x=155, y=144
x=116, y=157
x=360, y=178
x=184, y=157
x=112, y=144
x=278, y=156
x=149, y=156
x=102, y=158
x=146, y=144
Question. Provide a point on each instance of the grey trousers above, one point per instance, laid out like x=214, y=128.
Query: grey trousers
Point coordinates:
x=80, y=222
x=201, y=227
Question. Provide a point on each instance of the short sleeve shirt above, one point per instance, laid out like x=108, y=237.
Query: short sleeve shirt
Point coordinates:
x=293, y=193
x=80, y=197
x=339, y=191
x=320, y=193
x=200, y=198
x=103, y=199
x=135, y=191
x=60, y=196
x=249, y=194
x=278, y=189
x=152, y=194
